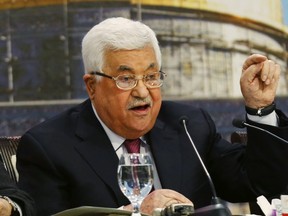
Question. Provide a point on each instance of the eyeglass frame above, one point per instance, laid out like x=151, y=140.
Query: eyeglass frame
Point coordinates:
x=163, y=74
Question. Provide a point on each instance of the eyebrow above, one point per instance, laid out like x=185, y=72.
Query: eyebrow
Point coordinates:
x=123, y=68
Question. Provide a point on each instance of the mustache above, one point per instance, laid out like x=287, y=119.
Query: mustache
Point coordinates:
x=140, y=102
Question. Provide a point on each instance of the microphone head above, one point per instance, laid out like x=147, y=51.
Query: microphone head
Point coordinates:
x=183, y=119
x=238, y=123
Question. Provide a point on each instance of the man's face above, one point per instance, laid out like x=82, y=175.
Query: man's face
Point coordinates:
x=129, y=113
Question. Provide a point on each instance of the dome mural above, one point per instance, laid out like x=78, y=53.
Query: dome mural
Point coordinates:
x=203, y=42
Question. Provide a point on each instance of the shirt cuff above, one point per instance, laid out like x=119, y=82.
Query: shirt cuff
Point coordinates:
x=270, y=119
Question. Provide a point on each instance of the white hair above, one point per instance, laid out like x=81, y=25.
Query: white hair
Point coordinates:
x=116, y=34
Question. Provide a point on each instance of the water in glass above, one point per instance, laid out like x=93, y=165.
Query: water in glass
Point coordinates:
x=135, y=178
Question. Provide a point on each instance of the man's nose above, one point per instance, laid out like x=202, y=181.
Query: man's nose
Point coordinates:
x=140, y=90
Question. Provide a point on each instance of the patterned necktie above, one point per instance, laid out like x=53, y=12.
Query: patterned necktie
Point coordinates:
x=132, y=145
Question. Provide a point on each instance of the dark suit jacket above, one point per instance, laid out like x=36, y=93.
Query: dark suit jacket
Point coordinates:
x=68, y=161
x=9, y=189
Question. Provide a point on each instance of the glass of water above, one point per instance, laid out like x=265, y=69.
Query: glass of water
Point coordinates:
x=135, y=178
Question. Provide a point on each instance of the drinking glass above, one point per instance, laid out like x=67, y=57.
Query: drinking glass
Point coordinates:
x=135, y=178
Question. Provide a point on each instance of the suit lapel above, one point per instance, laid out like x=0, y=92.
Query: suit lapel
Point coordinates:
x=164, y=142
x=97, y=150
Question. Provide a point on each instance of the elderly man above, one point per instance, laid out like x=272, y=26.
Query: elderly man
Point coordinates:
x=71, y=160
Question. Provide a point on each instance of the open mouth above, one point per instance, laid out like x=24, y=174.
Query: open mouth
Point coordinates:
x=144, y=107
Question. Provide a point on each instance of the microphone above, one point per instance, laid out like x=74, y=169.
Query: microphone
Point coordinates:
x=216, y=208
x=242, y=124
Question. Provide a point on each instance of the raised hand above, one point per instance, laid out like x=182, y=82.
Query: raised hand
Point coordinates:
x=259, y=81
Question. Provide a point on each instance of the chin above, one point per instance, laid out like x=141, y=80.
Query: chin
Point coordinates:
x=141, y=128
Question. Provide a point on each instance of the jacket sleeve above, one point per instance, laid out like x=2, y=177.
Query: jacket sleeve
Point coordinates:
x=267, y=157
x=9, y=188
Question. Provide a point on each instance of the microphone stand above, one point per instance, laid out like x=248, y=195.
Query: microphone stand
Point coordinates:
x=216, y=208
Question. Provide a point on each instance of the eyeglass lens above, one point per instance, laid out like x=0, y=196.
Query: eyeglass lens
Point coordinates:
x=151, y=80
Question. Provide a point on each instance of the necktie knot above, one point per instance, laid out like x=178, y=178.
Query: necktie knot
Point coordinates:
x=132, y=145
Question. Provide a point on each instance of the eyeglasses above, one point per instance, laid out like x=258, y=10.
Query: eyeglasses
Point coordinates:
x=129, y=81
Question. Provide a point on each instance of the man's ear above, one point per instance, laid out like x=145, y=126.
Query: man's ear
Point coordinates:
x=90, y=82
